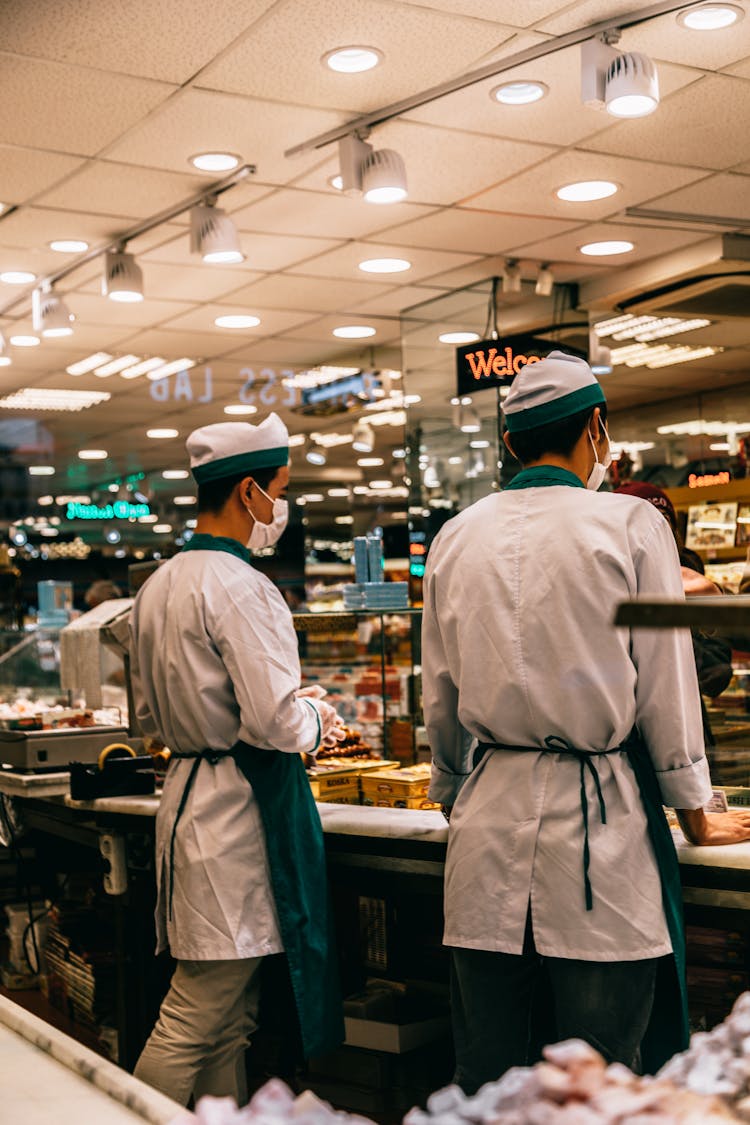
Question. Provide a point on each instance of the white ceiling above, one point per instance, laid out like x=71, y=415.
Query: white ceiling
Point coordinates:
x=104, y=104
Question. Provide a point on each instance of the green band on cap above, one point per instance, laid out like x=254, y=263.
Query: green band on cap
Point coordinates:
x=240, y=463
x=556, y=410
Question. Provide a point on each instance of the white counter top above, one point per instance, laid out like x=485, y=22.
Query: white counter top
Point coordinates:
x=399, y=824
x=47, y=1078
x=34, y=784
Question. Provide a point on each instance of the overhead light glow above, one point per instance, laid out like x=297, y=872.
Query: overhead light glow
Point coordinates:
x=342, y=493
x=88, y=364
x=519, y=93
x=215, y=161
x=353, y=332
x=186, y=500
x=116, y=365
x=545, y=282
x=123, y=278
x=363, y=438
x=710, y=17
x=385, y=265
x=296, y=439
x=141, y=368
x=237, y=321
x=41, y=471
x=316, y=455
x=370, y=462
x=214, y=236
x=344, y=520
x=175, y=474
x=17, y=277
x=631, y=85
x=607, y=248
x=93, y=454
x=162, y=433
x=384, y=177
x=659, y=355
x=585, y=191
x=313, y=497
x=171, y=368
x=455, y=460
x=336, y=182
x=43, y=398
x=352, y=60
x=69, y=245
x=458, y=337
x=644, y=328
x=379, y=485
x=25, y=341
x=162, y=528
x=240, y=408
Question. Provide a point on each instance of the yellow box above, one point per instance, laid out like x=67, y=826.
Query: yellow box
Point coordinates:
x=409, y=782
x=385, y=802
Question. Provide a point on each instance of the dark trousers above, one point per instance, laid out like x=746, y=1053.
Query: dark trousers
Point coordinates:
x=506, y=1007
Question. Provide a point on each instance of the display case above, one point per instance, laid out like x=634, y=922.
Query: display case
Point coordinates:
x=369, y=664
x=30, y=667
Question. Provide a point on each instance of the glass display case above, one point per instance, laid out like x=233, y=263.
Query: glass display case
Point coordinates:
x=30, y=666
x=369, y=664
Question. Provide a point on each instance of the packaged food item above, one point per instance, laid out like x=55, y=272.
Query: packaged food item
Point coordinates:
x=406, y=783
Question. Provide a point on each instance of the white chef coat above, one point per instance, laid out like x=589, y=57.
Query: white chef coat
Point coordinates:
x=214, y=660
x=518, y=645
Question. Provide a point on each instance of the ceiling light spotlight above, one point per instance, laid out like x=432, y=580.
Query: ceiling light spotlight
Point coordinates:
x=710, y=17
x=17, y=277
x=214, y=161
x=379, y=174
x=519, y=93
x=50, y=315
x=123, y=277
x=470, y=422
x=25, y=341
x=316, y=454
x=585, y=191
x=363, y=438
x=607, y=248
x=353, y=331
x=385, y=265
x=214, y=236
x=240, y=408
x=458, y=337
x=625, y=84
x=545, y=282
x=112, y=535
x=512, y=277
x=352, y=60
x=69, y=245
x=237, y=321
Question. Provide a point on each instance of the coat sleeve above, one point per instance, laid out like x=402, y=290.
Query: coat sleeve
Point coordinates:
x=254, y=635
x=144, y=718
x=449, y=742
x=668, y=709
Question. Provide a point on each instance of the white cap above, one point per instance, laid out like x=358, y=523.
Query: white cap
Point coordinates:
x=550, y=390
x=227, y=449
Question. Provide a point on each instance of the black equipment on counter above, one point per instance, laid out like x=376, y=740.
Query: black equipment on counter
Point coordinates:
x=118, y=773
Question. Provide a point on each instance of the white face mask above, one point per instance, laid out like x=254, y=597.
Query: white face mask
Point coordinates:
x=599, y=471
x=267, y=534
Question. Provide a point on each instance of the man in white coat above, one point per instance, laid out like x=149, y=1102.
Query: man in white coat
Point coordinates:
x=216, y=675
x=555, y=740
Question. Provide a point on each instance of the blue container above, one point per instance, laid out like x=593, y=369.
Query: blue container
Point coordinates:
x=375, y=557
x=361, y=571
x=55, y=604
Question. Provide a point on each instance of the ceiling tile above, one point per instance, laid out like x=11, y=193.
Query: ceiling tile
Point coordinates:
x=96, y=309
x=314, y=294
x=266, y=252
x=693, y=127
x=649, y=242
x=387, y=328
x=400, y=32
x=344, y=262
x=185, y=283
x=25, y=171
x=170, y=40
x=38, y=99
x=664, y=38
x=272, y=321
x=725, y=196
x=504, y=11
x=569, y=17
x=118, y=189
x=284, y=352
x=206, y=121
x=392, y=303
x=533, y=192
x=493, y=267
x=173, y=345
x=297, y=212
x=37, y=226
x=478, y=232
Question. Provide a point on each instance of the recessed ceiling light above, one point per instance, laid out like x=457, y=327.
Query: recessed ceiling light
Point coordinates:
x=586, y=190
x=5, y=361
x=162, y=433
x=237, y=321
x=458, y=337
x=313, y=497
x=88, y=364
x=215, y=161
x=41, y=471
x=339, y=492
x=162, y=528
x=93, y=454
x=115, y=365
x=352, y=60
x=152, y=518
x=296, y=439
x=69, y=245
x=240, y=408
x=710, y=17
x=336, y=182
x=25, y=341
x=603, y=249
x=380, y=484
x=141, y=368
x=43, y=398
x=385, y=265
x=519, y=93
x=171, y=368
x=370, y=462
x=185, y=499
x=349, y=332
x=175, y=474
x=344, y=519
x=17, y=277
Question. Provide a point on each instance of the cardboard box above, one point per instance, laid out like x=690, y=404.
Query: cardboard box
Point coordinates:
x=408, y=782
x=341, y=797
x=399, y=802
x=395, y=1038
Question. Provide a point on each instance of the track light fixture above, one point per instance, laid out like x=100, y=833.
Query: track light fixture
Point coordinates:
x=316, y=454
x=512, y=277
x=5, y=359
x=50, y=315
x=214, y=236
x=545, y=281
x=378, y=174
x=600, y=356
x=123, y=277
x=625, y=84
x=363, y=437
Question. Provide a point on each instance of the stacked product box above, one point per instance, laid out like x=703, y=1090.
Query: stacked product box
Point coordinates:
x=398, y=788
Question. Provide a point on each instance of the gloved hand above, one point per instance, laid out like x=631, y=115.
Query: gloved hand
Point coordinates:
x=314, y=691
x=331, y=725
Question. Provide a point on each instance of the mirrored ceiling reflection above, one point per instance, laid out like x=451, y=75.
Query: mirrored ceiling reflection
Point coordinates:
x=675, y=409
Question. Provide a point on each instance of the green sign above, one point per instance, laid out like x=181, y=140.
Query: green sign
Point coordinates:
x=120, y=510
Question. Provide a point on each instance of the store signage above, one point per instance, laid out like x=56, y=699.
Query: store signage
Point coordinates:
x=708, y=480
x=120, y=510
x=495, y=363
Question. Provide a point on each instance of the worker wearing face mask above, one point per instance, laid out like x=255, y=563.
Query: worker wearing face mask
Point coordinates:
x=239, y=850
x=556, y=738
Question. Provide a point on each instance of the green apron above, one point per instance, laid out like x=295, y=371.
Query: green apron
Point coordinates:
x=668, y=1031
x=297, y=862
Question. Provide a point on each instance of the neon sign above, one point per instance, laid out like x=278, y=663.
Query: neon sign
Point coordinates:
x=495, y=363
x=708, y=480
x=120, y=510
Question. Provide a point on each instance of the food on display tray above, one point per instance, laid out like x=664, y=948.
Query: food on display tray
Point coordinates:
x=26, y=714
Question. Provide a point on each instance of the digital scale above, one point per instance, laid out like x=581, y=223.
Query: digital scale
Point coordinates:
x=42, y=749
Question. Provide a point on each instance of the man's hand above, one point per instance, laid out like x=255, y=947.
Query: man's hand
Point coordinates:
x=709, y=829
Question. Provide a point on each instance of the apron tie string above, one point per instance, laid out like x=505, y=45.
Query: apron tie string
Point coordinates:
x=557, y=745
x=211, y=756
